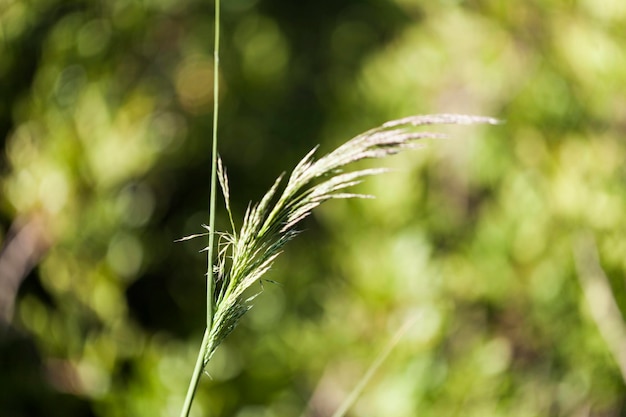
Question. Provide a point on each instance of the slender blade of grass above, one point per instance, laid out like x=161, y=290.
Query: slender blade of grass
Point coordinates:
x=384, y=354
x=210, y=288
x=205, y=347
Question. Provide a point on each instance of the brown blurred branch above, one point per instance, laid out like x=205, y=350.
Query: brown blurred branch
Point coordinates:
x=600, y=299
x=26, y=243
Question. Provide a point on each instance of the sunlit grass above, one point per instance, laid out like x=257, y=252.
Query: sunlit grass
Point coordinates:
x=246, y=254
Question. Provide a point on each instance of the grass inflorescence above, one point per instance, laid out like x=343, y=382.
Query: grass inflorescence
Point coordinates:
x=245, y=255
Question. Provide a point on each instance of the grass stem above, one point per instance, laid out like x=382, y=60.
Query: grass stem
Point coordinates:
x=360, y=386
x=210, y=281
x=210, y=285
x=195, y=377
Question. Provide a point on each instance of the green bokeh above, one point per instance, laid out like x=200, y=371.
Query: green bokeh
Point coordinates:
x=105, y=124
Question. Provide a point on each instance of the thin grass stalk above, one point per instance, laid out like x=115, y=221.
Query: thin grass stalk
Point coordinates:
x=195, y=377
x=210, y=285
x=209, y=275
x=349, y=401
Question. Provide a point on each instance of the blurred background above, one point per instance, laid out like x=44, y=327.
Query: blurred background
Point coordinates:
x=506, y=244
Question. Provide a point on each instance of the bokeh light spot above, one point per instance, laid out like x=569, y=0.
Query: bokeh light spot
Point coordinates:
x=135, y=204
x=54, y=191
x=264, y=49
x=93, y=37
x=125, y=255
x=194, y=83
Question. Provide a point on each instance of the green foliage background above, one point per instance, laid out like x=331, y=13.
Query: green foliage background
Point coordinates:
x=105, y=116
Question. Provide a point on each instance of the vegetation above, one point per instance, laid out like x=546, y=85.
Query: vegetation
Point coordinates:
x=504, y=246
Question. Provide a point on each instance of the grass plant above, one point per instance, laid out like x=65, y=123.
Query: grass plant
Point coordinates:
x=245, y=254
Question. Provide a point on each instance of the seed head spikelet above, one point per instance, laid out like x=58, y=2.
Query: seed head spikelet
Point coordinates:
x=244, y=256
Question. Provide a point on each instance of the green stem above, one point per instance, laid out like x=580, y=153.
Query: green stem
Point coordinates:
x=210, y=287
x=195, y=377
x=210, y=281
